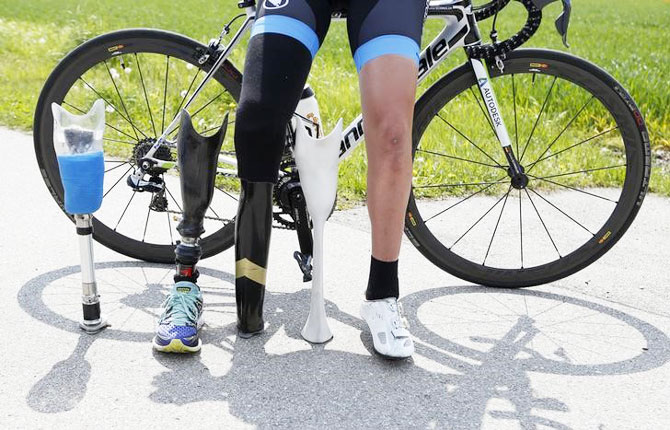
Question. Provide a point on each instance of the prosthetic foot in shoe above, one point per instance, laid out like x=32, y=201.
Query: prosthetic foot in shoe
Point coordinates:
x=180, y=321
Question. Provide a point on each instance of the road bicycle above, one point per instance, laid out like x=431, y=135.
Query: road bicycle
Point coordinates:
x=529, y=164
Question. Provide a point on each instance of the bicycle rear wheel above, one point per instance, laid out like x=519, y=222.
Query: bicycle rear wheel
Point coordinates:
x=584, y=147
x=144, y=77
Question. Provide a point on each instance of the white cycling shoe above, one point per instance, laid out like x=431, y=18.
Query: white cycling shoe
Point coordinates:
x=391, y=338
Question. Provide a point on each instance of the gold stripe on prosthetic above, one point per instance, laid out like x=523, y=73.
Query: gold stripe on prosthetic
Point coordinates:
x=249, y=269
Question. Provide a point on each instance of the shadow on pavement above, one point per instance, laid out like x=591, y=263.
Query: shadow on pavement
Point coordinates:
x=318, y=387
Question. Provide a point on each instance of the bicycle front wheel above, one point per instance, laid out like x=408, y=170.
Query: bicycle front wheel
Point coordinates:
x=584, y=148
x=144, y=76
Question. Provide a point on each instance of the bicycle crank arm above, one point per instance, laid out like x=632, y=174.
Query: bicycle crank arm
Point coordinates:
x=304, y=230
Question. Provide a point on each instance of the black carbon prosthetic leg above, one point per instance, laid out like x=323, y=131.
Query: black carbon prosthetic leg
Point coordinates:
x=197, y=161
x=253, y=226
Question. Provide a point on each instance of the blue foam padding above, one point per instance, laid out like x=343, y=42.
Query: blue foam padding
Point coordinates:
x=82, y=176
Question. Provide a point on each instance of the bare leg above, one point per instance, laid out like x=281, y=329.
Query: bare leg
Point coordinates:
x=388, y=87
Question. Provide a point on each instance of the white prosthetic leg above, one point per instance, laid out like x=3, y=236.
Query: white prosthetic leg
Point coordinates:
x=317, y=161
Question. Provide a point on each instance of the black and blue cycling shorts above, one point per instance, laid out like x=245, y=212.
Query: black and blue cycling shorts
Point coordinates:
x=375, y=27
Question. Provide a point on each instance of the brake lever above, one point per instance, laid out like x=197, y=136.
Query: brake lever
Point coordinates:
x=563, y=20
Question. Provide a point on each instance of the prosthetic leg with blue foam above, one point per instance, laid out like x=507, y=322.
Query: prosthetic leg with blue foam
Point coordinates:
x=78, y=145
x=317, y=161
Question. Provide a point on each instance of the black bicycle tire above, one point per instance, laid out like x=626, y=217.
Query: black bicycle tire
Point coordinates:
x=638, y=155
x=67, y=72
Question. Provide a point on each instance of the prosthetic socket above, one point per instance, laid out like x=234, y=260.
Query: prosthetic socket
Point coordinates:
x=197, y=161
x=317, y=161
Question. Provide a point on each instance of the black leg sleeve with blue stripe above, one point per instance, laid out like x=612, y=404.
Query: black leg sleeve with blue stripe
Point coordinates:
x=283, y=43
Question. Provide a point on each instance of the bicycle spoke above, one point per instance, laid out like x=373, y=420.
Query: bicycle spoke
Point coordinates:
x=574, y=189
x=561, y=133
x=469, y=140
x=543, y=224
x=115, y=167
x=457, y=158
x=561, y=211
x=106, y=123
x=582, y=171
x=173, y=199
x=481, y=108
x=572, y=146
x=118, y=141
x=110, y=104
x=497, y=224
x=170, y=228
x=227, y=193
x=146, y=97
x=521, y=229
x=207, y=104
x=123, y=104
x=124, y=210
x=516, y=125
x=217, y=127
x=458, y=185
x=461, y=201
x=537, y=120
x=167, y=74
x=477, y=222
x=146, y=224
x=117, y=181
x=217, y=216
x=197, y=73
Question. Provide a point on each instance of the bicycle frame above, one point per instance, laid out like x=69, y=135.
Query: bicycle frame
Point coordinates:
x=460, y=31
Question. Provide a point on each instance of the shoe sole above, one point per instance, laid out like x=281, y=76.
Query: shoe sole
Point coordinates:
x=177, y=346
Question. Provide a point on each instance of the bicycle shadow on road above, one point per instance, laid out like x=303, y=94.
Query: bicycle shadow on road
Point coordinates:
x=449, y=384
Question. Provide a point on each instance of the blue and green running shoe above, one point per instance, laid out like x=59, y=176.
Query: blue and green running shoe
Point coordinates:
x=182, y=317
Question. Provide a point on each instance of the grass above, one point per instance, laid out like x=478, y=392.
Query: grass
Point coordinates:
x=624, y=40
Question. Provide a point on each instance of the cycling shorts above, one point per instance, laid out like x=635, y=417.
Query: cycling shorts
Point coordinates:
x=375, y=27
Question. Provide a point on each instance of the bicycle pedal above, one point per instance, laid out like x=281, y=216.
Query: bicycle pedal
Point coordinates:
x=305, y=264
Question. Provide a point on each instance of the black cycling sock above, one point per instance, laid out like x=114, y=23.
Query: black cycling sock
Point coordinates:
x=383, y=280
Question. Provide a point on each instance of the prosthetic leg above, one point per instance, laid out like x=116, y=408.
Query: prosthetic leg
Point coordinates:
x=78, y=145
x=197, y=160
x=317, y=161
x=253, y=226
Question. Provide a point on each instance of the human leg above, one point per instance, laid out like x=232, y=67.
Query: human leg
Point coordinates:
x=385, y=37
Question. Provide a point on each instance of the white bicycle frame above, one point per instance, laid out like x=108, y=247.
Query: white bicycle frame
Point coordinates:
x=458, y=21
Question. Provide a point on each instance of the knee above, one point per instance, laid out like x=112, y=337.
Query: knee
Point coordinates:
x=392, y=136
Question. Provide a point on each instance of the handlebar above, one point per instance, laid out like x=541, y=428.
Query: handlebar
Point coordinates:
x=488, y=51
x=534, y=10
x=489, y=9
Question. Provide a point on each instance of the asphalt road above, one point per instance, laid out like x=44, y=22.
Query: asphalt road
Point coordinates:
x=588, y=352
